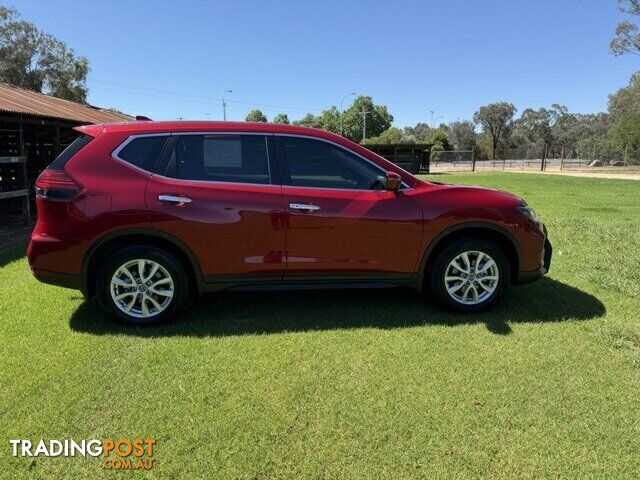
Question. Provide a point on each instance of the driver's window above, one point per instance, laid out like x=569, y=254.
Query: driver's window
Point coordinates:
x=313, y=163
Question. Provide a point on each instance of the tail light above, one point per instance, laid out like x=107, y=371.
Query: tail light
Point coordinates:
x=56, y=185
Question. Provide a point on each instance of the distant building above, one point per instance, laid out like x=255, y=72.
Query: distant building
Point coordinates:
x=34, y=129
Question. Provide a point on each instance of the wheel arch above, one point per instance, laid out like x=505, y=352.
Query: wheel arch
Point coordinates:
x=497, y=234
x=138, y=236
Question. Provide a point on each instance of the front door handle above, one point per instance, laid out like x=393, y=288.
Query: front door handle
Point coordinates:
x=177, y=199
x=304, y=206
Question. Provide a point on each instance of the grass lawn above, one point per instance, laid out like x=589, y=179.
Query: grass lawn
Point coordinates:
x=364, y=384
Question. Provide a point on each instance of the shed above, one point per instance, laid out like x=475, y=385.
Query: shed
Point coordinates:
x=34, y=129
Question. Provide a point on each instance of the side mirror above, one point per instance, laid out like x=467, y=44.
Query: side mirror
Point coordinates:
x=394, y=181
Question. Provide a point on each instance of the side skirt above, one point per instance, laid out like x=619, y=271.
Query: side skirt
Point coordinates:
x=214, y=283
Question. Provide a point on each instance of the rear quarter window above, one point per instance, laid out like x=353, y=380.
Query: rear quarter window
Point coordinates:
x=66, y=155
x=143, y=152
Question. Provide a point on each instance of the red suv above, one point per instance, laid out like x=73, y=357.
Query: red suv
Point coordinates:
x=141, y=214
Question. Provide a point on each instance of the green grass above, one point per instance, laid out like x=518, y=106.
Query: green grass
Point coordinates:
x=365, y=384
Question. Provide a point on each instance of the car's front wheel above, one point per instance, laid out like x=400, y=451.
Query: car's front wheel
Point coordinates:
x=142, y=285
x=470, y=275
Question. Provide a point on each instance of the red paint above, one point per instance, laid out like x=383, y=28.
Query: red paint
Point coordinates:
x=231, y=228
x=355, y=231
x=243, y=229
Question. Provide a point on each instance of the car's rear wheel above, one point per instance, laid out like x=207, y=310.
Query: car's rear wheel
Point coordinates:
x=470, y=275
x=142, y=285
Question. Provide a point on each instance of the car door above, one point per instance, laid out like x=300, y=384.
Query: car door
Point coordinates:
x=340, y=223
x=219, y=194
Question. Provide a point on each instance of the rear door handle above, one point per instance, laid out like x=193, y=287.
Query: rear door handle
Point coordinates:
x=304, y=206
x=177, y=199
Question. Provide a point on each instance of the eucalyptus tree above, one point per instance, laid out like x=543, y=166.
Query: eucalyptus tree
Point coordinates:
x=35, y=60
x=495, y=119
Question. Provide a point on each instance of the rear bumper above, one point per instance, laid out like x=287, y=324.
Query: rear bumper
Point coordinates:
x=532, y=276
x=59, y=279
x=50, y=261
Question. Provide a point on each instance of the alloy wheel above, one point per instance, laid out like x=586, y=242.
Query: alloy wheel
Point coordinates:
x=471, y=277
x=142, y=288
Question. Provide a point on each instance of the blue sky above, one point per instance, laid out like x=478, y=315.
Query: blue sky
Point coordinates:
x=175, y=59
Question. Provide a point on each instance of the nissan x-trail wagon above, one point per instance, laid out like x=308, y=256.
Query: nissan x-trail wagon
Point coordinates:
x=144, y=214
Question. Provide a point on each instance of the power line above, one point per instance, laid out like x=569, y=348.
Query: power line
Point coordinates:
x=187, y=97
x=202, y=97
x=166, y=97
x=171, y=94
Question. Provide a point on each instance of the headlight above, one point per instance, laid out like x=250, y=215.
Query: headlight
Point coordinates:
x=528, y=212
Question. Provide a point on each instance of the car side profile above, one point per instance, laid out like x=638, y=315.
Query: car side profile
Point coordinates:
x=142, y=214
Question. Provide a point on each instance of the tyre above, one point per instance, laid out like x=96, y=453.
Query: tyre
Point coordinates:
x=142, y=285
x=470, y=275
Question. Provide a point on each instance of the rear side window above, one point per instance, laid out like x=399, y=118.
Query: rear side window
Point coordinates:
x=220, y=158
x=77, y=145
x=143, y=152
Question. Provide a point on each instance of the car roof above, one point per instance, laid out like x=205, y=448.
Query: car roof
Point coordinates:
x=203, y=126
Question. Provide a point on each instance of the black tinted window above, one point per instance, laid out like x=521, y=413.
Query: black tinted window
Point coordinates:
x=77, y=145
x=143, y=152
x=313, y=163
x=220, y=158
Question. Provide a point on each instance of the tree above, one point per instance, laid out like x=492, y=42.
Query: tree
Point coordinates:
x=390, y=136
x=495, y=119
x=255, y=116
x=570, y=130
x=438, y=140
x=281, y=118
x=378, y=119
x=462, y=134
x=32, y=59
x=533, y=130
x=626, y=100
x=623, y=122
x=329, y=120
x=626, y=137
x=417, y=134
x=627, y=39
x=309, y=120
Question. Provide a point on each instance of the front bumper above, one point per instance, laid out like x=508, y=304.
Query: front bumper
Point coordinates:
x=547, y=252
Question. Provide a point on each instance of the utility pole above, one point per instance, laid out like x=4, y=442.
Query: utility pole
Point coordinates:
x=431, y=118
x=224, y=105
x=364, y=125
x=364, y=122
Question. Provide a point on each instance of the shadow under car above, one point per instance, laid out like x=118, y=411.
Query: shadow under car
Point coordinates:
x=242, y=313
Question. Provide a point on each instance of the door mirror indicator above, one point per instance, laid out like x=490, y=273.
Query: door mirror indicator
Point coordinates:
x=394, y=181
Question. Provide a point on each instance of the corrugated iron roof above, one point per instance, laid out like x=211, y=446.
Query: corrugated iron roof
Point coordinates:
x=19, y=100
